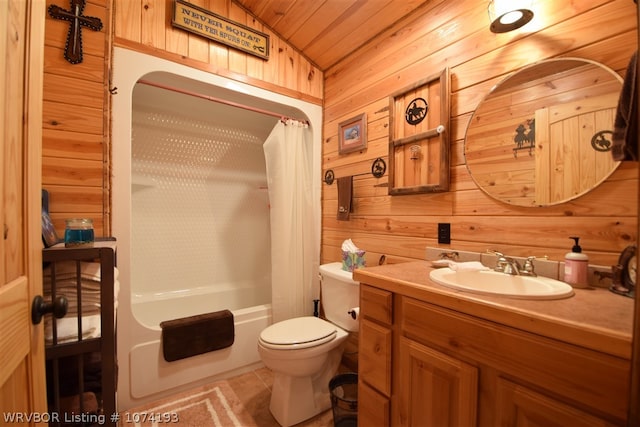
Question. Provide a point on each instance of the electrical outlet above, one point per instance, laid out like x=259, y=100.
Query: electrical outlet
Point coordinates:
x=444, y=232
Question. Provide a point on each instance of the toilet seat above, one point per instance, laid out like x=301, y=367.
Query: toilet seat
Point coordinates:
x=297, y=333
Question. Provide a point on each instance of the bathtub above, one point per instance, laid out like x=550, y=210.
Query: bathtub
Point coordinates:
x=151, y=377
x=151, y=309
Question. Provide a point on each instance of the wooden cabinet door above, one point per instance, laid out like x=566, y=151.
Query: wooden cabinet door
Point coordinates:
x=518, y=406
x=22, y=373
x=373, y=408
x=374, y=365
x=434, y=389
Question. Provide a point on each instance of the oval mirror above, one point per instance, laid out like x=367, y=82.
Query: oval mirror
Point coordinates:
x=543, y=135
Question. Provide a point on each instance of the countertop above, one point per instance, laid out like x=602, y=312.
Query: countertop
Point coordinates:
x=594, y=318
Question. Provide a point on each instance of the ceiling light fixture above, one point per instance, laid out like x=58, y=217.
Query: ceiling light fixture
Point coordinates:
x=508, y=15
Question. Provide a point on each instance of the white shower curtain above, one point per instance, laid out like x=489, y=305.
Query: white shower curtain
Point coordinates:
x=288, y=156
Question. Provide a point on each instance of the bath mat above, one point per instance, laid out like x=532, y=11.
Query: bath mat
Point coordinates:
x=212, y=405
x=190, y=336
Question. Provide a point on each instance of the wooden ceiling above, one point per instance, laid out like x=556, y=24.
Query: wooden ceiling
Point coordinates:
x=326, y=31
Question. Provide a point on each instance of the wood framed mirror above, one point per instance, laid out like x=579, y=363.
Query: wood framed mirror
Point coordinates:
x=543, y=135
x=419, y=137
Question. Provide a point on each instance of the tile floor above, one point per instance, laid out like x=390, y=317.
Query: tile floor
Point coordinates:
x=254, y=390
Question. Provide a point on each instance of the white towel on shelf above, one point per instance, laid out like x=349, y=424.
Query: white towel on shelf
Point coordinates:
x=67, y=329
x=67, y=270
x=67, y=285
x=88, y=287
x=90, y=298
x=467, y=266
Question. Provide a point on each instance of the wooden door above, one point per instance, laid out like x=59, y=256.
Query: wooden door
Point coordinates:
x=22, y=373
x=435, y=389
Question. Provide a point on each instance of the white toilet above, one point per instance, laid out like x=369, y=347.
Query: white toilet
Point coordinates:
x=304, y=353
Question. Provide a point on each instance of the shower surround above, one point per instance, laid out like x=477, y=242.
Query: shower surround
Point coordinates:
x=191, y=214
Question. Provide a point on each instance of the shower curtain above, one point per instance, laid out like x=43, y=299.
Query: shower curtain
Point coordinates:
x=288, y=155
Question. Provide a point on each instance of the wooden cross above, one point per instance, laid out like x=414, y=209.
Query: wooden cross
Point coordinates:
x=73, y=47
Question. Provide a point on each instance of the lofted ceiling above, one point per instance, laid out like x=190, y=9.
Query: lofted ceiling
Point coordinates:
x=326, y=31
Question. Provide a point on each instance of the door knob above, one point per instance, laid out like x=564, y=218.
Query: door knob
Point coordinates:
x=40, y=307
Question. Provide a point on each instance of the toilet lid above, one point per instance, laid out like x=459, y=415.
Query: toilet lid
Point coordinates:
x=299, y=332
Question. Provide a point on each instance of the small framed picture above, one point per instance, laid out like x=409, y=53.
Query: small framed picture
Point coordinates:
x=49, y=235
x=352, y=134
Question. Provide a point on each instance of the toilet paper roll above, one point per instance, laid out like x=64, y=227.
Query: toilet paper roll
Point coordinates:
x=354, y=312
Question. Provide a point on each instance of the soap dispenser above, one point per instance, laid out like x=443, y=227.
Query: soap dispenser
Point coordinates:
x=576, y=266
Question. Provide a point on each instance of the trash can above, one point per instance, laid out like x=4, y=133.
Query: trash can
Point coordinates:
x=344, y=399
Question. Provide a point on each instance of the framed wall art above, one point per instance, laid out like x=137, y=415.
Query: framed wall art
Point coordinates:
x=352, y=134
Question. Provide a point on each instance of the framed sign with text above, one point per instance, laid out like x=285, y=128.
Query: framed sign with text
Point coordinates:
x=214, y=27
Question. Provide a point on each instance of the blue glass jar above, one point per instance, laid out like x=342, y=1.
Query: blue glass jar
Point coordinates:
x=79, y=233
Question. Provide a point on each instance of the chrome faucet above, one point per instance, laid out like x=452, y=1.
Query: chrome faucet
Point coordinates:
x=528, y=269
x=508, y=265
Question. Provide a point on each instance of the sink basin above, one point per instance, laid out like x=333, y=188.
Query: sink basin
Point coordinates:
x=495, y=283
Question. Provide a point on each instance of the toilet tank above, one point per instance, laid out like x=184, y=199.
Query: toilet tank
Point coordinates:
x=340, y=294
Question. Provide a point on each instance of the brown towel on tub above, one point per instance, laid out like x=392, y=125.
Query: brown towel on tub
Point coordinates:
x=625, y=128
x=345, y=188
x=189, y=336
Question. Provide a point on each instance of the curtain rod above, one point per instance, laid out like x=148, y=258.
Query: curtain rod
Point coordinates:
x=282, y=117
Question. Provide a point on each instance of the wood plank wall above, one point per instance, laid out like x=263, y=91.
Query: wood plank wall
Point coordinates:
x=75, y=154
x=444, y=33
x=76, y=145
x=145, y=26
x=455, y=34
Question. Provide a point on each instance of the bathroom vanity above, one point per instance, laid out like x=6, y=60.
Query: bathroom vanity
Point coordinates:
x=434, y=356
